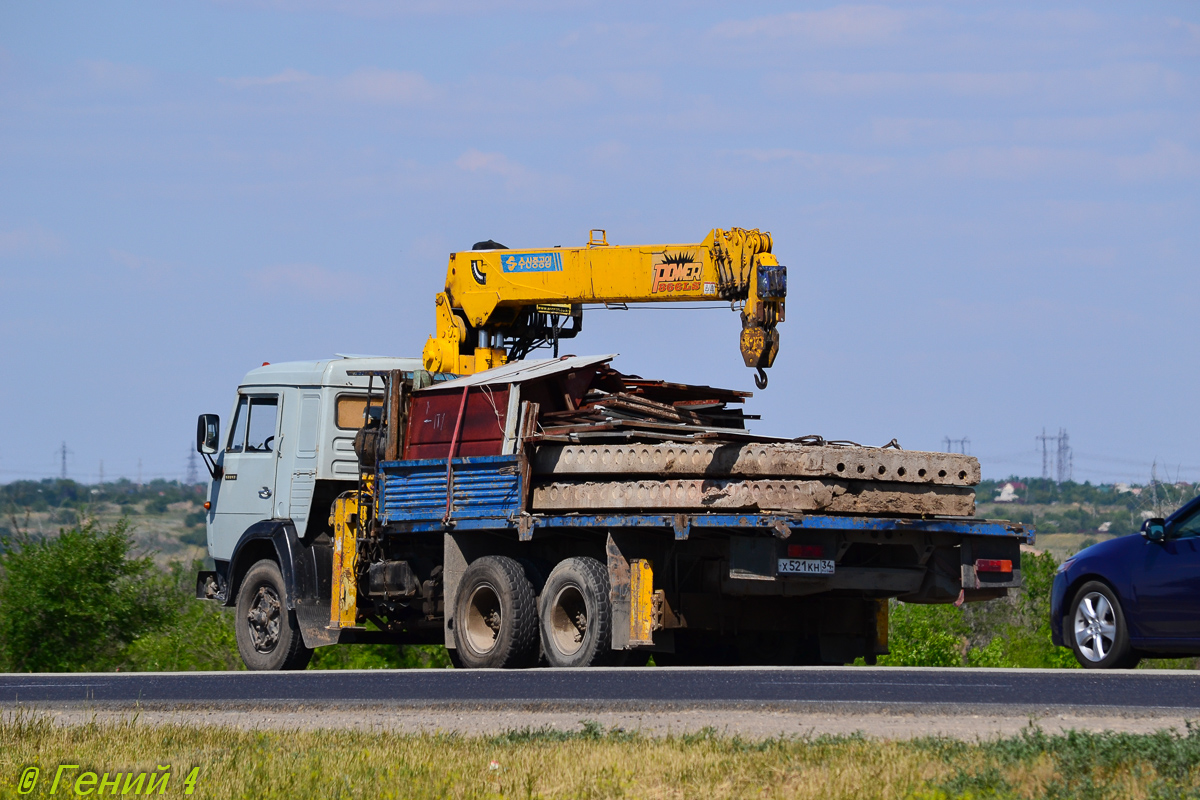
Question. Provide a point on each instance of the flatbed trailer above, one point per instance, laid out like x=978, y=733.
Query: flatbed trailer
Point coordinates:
x=451, y=550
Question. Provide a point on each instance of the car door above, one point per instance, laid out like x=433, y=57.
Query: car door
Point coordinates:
x=1167, y=584
x=248, y=482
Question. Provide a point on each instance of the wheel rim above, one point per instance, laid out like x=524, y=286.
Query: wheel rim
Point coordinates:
x=264, y=619
x=483, y=618
x=1095, y=626
x=568, y=620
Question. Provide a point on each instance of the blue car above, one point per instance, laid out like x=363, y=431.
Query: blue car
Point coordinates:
x=1133, y=597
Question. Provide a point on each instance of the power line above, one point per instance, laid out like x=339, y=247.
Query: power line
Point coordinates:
x=63, y=451
x=1044, y=439
x=964, y=444
x=1064, y=456
x=193, y=476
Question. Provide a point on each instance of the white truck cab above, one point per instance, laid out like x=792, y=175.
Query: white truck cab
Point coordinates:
x=289, y=447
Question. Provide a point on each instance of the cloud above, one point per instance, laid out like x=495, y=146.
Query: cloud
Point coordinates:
x=516, y=176
x=29, y=242
x=840, y=26
x=116, y=77
x=493, y=163
x=1165, y=161
x=1130, y=82
x=385, y=86
x=312, y=280
x=144, y=267
x=377, y=9
x=845, y=164
x=369, y=85
x=288, y=76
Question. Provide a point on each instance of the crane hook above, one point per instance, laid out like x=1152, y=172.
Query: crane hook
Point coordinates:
x=760, y=380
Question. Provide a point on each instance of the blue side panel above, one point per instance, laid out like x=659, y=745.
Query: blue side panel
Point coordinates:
x=485, y=488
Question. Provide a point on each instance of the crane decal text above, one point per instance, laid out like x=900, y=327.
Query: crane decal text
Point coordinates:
x=531, y=262
x=676, y=272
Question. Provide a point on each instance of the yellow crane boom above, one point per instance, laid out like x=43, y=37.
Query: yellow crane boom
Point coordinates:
x=499, y=304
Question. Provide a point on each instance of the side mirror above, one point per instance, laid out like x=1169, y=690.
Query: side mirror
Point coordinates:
x=208, y=434
x=1154, y=529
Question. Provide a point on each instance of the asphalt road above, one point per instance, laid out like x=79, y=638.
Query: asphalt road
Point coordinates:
x=647, y=687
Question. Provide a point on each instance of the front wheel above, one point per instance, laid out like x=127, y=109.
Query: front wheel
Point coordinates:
x=268, y=636
x=1099, y=633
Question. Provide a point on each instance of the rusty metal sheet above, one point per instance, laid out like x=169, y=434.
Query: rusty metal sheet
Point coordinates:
x=432, y=416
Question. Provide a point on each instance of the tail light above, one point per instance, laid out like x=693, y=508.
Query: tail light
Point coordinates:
x=805, y=551
x=993, y=565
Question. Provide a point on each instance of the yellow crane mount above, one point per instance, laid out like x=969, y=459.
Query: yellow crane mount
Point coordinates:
x=500, y=304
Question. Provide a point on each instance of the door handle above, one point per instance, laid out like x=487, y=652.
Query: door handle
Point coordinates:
x=264, y=493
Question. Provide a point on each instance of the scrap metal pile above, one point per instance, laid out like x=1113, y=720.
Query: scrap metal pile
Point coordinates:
x=624, y=408
x=608, y=441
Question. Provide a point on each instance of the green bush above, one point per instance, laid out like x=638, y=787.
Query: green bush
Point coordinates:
x=1010, y=632
x=925, y=636
x=76, y=601
x=196, y=538
x=380, y=656
x=198, y=636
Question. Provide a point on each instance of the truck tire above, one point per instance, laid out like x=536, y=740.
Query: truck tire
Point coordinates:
x=268, y=636
x=495, y=615
x=576, y=615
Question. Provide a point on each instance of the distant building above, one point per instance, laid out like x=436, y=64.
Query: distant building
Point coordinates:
x=1008, y=493
x=1105, y=527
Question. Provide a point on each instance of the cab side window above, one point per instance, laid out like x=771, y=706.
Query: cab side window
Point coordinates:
x=264, y=413
x=351, y=408
x=1187, y=528
x=237, y=431
x=254, y=423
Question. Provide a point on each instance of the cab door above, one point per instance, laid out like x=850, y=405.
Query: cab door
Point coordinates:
x=248, y=484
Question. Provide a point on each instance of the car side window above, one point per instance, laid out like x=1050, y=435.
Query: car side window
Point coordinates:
x=237, y=431
x=1188, y=527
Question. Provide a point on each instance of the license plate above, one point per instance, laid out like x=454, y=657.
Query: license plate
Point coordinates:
x=806, y=566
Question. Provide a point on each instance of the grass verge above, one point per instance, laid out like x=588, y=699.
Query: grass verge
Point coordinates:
x=594, y=763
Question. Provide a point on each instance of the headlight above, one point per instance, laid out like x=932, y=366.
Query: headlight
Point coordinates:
x=1064, y=566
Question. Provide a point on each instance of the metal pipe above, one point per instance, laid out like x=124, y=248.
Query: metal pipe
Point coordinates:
x=450, y=456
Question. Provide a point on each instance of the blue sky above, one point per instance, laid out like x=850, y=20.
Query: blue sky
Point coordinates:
x=989, y=210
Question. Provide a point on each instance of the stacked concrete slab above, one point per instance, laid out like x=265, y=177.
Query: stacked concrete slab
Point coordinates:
x=784, y=477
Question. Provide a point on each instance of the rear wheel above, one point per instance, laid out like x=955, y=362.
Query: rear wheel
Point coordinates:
x=576, y=615
x=1099, y=634
x=495, y=615
x=268, y=636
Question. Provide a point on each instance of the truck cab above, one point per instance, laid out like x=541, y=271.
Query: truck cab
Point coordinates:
x=286, y=453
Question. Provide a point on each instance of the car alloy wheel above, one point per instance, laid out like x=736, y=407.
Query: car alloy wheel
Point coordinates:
x=1099, y=636
x=1095, y=626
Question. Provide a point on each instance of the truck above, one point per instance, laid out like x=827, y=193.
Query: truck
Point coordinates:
x=559, y=512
